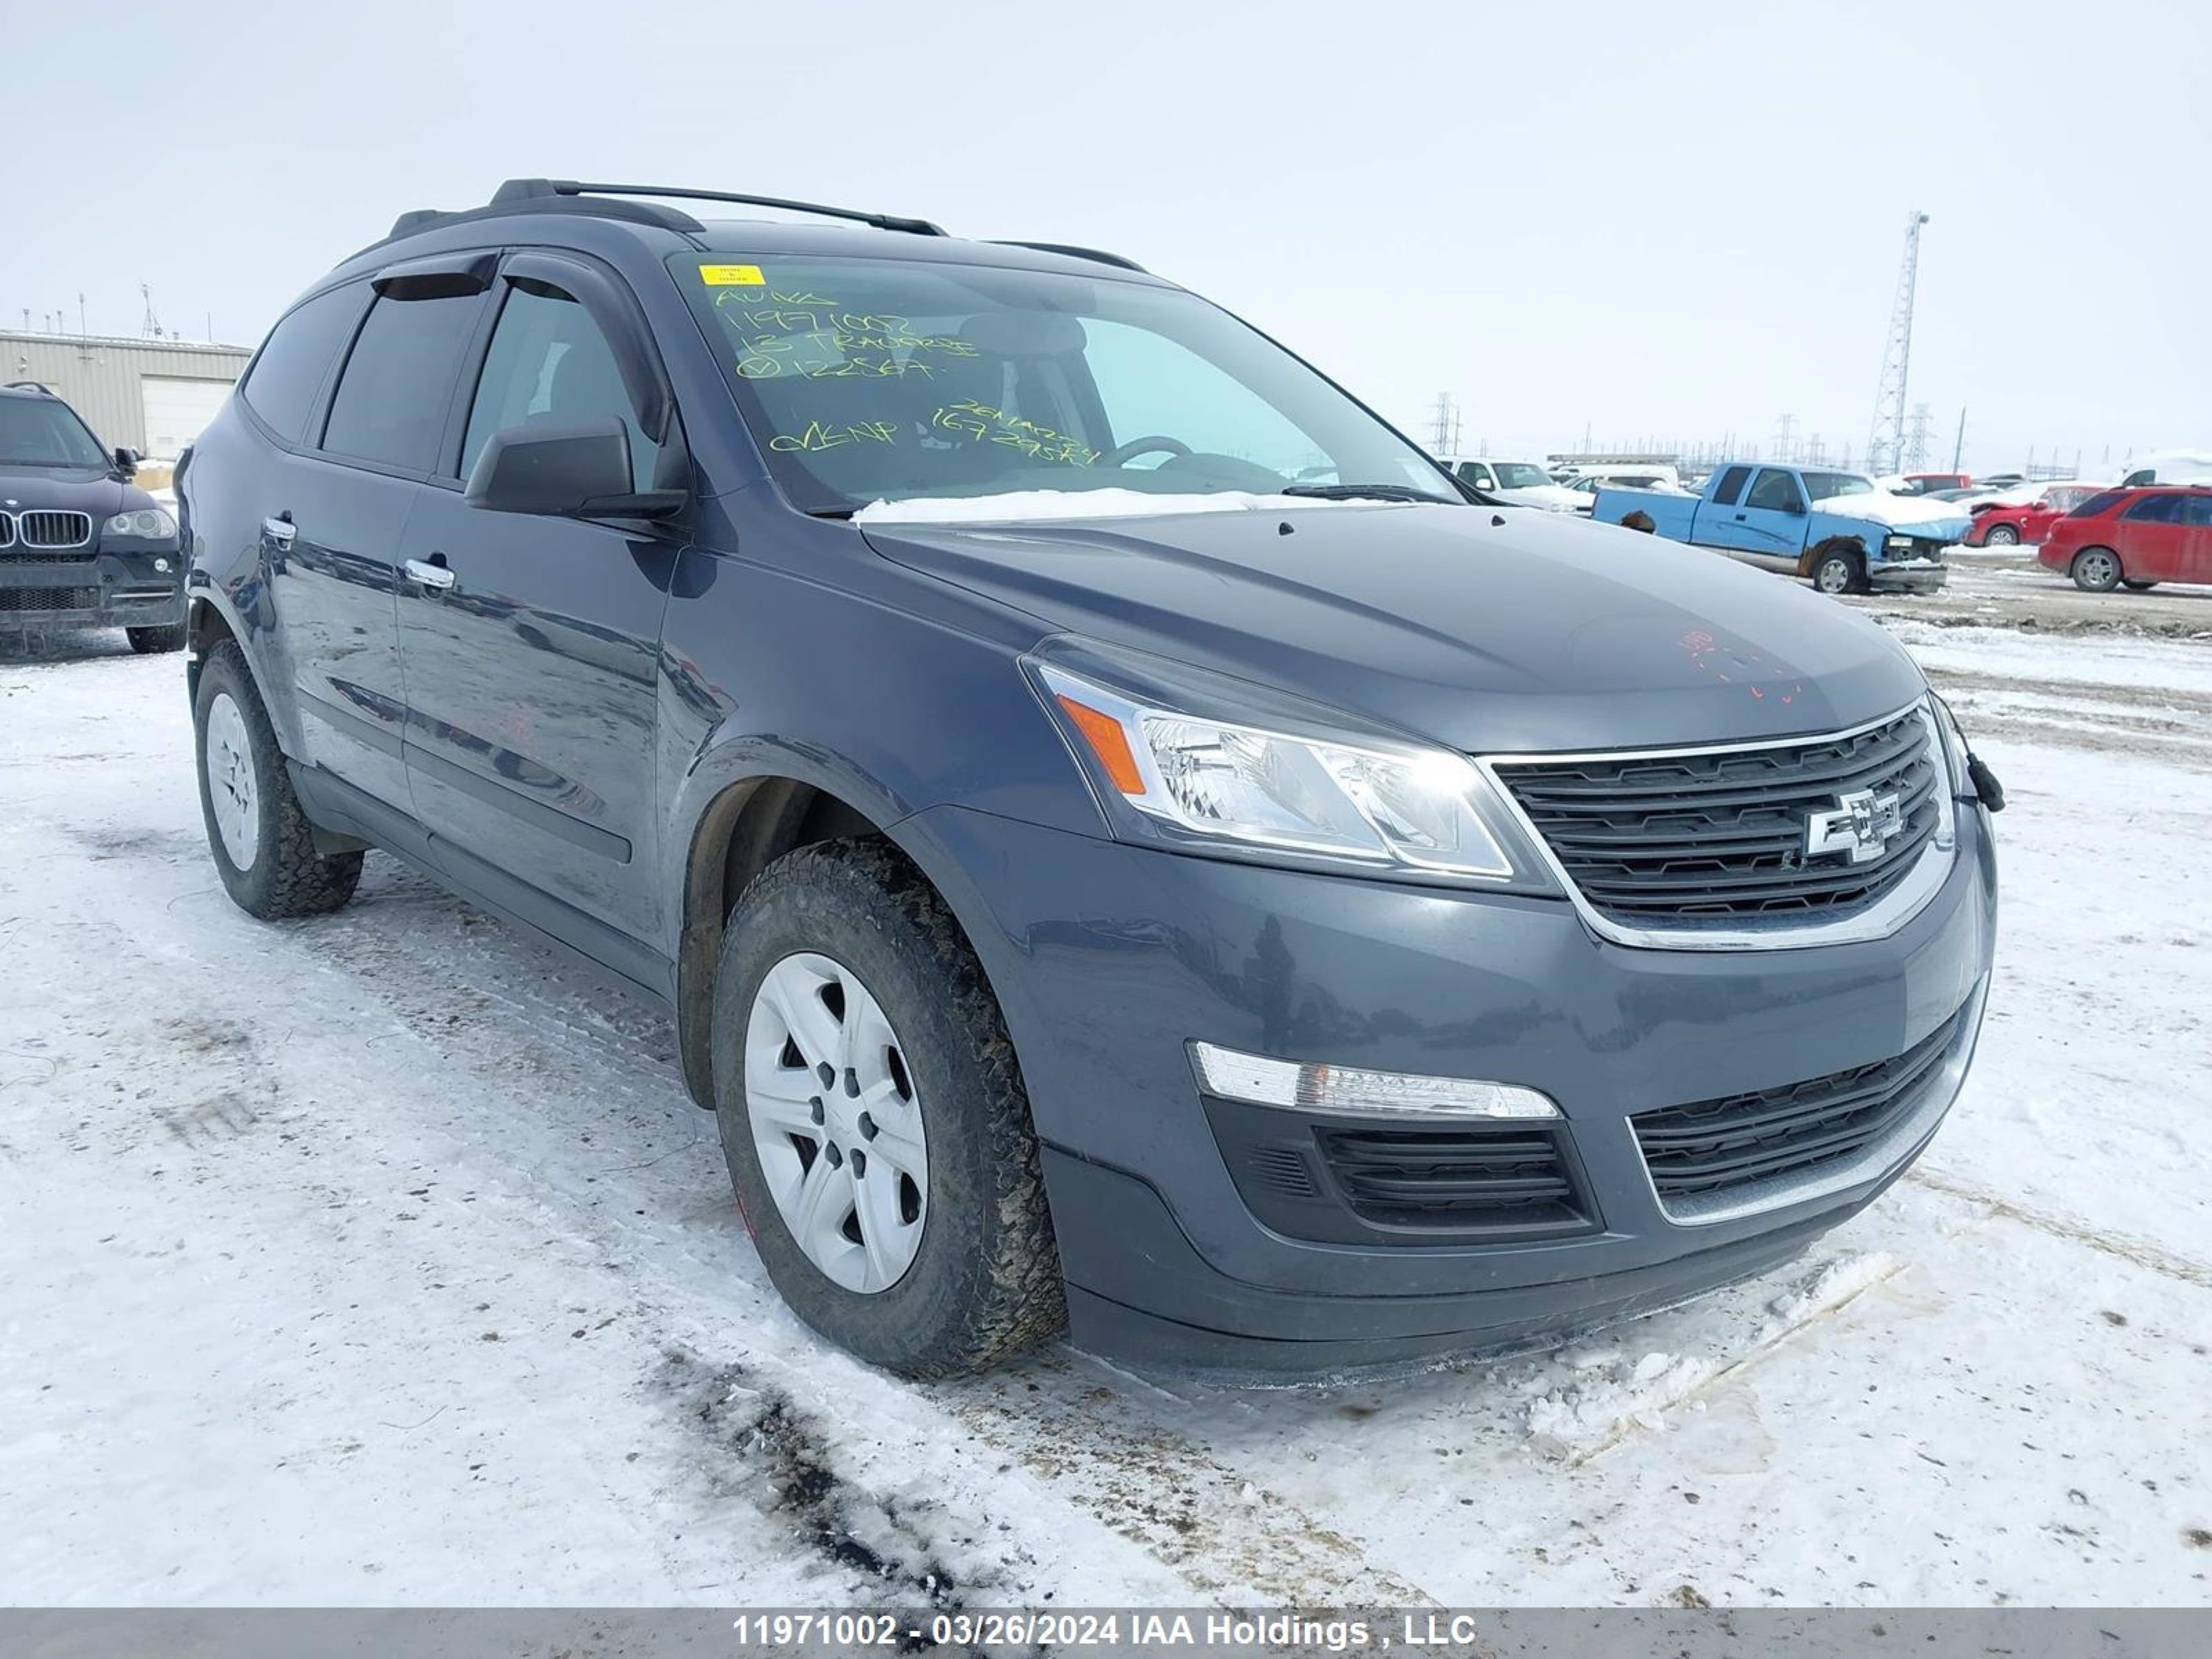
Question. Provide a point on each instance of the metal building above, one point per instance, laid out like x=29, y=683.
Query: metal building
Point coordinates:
x=153, y=396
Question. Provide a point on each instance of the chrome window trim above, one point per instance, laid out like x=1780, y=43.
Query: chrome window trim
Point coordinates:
x=1894, y=1147
x=1879, y=921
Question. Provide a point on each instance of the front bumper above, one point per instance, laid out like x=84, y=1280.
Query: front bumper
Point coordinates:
x=1108, y=958
x=1908, y=575
x=92, y=589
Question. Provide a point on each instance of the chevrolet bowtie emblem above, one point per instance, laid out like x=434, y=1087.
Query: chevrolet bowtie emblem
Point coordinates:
x=1863, y=823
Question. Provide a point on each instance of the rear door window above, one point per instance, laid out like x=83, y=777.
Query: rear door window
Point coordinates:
x=2155, y=509
x=297, y=357
x=398, y=385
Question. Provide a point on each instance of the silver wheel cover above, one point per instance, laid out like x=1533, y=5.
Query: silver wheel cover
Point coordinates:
x=228, y=759
x=837, y=1122
x=1834, y=576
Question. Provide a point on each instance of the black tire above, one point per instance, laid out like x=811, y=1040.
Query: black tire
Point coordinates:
x=2002, y=535
x=285, y=876
x=984, y=1283
x=2135, y=586
x=2096, y=570
x=1840, y=570
x=149, y=641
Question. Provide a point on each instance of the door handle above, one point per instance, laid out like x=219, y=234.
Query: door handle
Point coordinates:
x=1738, y=518
x=430, y=575
x=280, y=529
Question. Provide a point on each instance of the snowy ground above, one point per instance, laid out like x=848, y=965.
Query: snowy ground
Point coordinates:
x=380, y=1259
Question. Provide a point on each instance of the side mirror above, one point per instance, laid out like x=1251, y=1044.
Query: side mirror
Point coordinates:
x=126, y=461
x=572, y=472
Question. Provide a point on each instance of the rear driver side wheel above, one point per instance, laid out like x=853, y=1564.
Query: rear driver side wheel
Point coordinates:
x=2096, y=570
x=262, y=845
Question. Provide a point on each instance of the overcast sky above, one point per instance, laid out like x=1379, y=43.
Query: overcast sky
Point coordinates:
x=1673, y=222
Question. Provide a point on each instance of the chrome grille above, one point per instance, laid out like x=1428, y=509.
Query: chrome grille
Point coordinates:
x=1722, y=835
x=45, y=528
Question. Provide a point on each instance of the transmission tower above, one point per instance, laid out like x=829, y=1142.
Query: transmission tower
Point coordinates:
x=1916, y=441
x=1887, y=440
x=1446, y=428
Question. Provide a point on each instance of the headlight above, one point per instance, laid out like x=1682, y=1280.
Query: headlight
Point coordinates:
x=148, y=524
x=1956, y=760
x=1331, y=797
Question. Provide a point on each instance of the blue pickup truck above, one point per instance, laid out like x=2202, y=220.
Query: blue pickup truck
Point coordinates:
x=1806, y=522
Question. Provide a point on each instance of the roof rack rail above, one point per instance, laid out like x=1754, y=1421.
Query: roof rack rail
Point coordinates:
x=29, y=386
x=533, y=189
x=643, y=213
x=1076, y=252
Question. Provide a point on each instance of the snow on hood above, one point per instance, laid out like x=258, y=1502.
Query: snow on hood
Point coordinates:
x=1899, y=510
x=1047, y=506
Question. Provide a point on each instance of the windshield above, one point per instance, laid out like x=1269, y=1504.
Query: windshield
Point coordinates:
x=1520, y=475
x=1825, y=485
x=878, y=380
x=45, y=431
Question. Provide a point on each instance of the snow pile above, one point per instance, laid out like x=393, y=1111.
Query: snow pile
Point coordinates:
x=1609, y=1396
x=1895, y=510
x=1603, y=1393
x=1041, y=506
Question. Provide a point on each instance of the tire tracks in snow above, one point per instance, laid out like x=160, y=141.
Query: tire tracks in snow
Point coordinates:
x=1233, y=1539
x=2137, y=1252
x=1060, y=1430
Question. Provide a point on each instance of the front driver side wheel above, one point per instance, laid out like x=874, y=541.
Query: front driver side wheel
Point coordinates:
x=1839, y=571
x=873, y=1119
x=262, y=845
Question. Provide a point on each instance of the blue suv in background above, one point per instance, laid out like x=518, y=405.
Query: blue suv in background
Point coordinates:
x=1126, y=842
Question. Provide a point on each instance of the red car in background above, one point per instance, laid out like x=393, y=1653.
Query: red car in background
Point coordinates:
x=2134, y=538
x=2027, y=521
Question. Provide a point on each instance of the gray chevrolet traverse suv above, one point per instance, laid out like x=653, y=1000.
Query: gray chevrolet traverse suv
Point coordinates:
x=1128, y=844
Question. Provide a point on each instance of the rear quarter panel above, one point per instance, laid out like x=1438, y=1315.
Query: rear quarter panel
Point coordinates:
x=1672, y=516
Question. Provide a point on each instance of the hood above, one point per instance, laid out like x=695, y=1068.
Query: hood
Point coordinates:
x=1909, y=512
x=101, y=494
x=1483, y=630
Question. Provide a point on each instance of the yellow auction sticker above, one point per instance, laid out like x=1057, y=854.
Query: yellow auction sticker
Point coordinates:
x=731, y=276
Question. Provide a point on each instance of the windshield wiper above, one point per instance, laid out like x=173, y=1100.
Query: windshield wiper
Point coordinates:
x=831, y=511
x=1346, y=492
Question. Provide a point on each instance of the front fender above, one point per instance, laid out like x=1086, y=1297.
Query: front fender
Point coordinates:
x=1824, y=531
x=892, y=708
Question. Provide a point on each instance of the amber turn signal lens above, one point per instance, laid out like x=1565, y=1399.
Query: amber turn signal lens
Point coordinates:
x=1110, y=742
